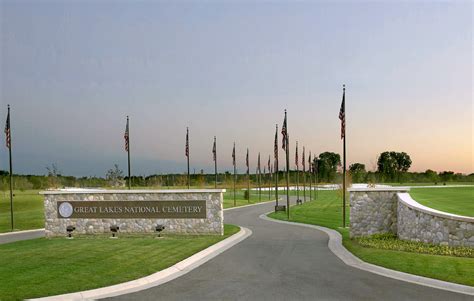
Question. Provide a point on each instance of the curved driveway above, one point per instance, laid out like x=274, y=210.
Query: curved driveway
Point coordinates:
x=283, y=262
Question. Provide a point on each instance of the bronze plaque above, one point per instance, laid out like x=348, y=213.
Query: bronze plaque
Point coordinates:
x=132, y=209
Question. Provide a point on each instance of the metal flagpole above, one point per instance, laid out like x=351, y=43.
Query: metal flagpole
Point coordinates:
x=287, y=149
x=276, y=166
x=187, y=156
x=297, y=174
x=8, y=134
x=215, y=160
x=270, y=172
x=259, y=180
x=304, y=175
x=248, y=175
x=310, y=177
x=342, y=117
x=235, y=173
x=128, y=153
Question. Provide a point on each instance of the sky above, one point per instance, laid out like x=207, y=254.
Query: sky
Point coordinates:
x=73, y=70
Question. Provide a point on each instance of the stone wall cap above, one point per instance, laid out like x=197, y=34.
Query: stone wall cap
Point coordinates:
x=369, y=189
x=126, y=191
x=407, y=200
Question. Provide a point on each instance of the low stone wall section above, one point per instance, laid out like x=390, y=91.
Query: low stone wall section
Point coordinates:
x=212, y=224
x=420, y=223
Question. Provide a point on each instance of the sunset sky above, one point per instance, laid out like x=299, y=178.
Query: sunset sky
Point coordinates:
x=73, y=71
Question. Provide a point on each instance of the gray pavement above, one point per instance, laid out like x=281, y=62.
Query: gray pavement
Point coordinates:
x=283, y=262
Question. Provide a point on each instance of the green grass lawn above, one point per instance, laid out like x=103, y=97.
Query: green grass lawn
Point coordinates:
x=28, y=210
x=459, y=200
x=44, y=267
x=326, y=211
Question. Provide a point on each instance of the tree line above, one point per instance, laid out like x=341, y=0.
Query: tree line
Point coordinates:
x=392, y=167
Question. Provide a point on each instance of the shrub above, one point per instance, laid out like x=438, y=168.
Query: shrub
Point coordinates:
x=388, y=241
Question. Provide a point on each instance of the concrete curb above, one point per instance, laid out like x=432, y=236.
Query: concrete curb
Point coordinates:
x=21, y=235
x=249, y=205
x=160, y=277
x=336, y=246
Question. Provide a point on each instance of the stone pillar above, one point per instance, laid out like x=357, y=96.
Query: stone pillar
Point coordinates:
x=373, y=210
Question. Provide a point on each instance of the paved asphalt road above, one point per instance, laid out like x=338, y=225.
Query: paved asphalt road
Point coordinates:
x=283, y=262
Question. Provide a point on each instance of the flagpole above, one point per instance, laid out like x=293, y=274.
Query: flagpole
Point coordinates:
x=297, y=174
x=276, y=166
x=344, y=162
x=215, y=161
x=128, y=154
x=310, y=177
x=248, y=175
x=304, y=176
x=187, y=156
x=235, y=172
x=270, y=174
x=287, y=149
x=11, y=167
x=259, y=180
x=316, y=165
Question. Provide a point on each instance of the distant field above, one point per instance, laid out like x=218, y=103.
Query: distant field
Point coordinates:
x=430, y=184
x=457, y=200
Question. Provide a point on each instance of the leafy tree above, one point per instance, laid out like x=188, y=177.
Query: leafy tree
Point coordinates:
x=327, y=164
x=358, y=172
x=447, y=176
x=432, y=175
x=392, y=165
x=53, y=175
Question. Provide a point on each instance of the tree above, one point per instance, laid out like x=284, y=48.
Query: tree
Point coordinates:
x=358, y=172
x=53, y=175
x=393, y=164
x=446, y=176
x=432, y=175
x=327, y=164
x=114, y=176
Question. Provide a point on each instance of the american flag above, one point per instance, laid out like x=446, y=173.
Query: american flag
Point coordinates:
x=186, y=151
x=214, y=155
x=247, y=161
x=126, y=136
x=309, y=163
x=269, y=164
x=303, y=161
x=258, y=163
x=342, y=113
x=296, y=155
x=284, y=132
x=275, y=148
x=233, y=155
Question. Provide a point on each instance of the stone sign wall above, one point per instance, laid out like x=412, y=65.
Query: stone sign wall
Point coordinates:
x=392, y=210
x=134, y=211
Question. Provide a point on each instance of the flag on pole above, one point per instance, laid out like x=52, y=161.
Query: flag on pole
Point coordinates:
x=342, y=114
x=233, y=155
x=275, y=149
x=296, y=155
x=284, y=133
x=258, y=163
x=309, y=162
x=8, y=139
x=126, y=136
x=214, y=150
x=269, y=167
x=186, y=151
x=247, y=161
x=303, y=161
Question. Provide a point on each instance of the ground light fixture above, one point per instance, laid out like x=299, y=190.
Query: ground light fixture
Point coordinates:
x=114, y=229
x=299, y=202
x=69, y=230
x=158, y=229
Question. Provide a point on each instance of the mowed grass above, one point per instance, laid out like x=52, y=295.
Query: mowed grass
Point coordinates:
x=457, y=200
x=27, y=210
x=44, y=267
x=327, y=211
x=241, y=201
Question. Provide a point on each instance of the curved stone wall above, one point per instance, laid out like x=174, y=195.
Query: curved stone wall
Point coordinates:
x=420, y=223
x=382, y=210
